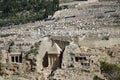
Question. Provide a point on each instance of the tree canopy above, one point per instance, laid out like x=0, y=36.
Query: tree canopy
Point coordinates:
x=23, y=11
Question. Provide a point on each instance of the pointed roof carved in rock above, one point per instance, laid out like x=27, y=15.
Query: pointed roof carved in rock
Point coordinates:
x=55, y=49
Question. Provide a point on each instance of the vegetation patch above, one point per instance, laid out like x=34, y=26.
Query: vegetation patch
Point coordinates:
x=14, y=12
x=111, y=71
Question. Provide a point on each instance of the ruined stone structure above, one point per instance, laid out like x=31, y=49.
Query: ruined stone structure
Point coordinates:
x=51, y=57
x=16, y=57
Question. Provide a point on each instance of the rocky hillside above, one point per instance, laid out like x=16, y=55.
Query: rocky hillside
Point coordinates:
x=80, y=42
x=93, y=14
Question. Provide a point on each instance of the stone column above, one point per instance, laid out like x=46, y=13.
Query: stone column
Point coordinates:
x=18, y=58
x=52, y=60
x=49, y=61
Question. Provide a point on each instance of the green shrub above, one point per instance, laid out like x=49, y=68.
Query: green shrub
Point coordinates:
x=111, y=71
